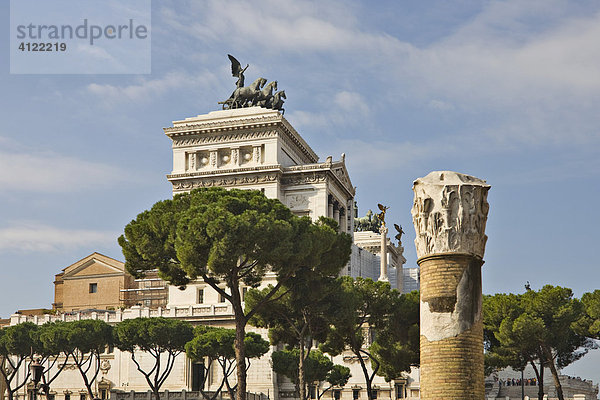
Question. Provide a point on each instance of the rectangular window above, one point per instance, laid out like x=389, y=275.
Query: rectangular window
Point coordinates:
x=82, y=396
x=375, y=394
x=221, y=298
x=93, y=287
x=67, y=396
x=355, y=393
x=337, y=394
x=400, y=391
x=200, y=296
x=51, y=396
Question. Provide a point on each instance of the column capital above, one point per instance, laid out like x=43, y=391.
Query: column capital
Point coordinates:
x=450, y=213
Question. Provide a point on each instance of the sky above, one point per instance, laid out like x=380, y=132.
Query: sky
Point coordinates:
x=507, y=91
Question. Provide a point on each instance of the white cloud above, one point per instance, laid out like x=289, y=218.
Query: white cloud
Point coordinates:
x=346, y=108
x=364, y=156
x=517, y=73
x=148, y=89
x=351, y=102
x=275, y=25
x=54, y=173
x=31, y=236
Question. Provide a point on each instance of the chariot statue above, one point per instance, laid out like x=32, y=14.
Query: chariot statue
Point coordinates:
x=370, y=222
x=258, y=93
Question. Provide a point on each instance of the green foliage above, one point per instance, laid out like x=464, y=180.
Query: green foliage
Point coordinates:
x=17, y=344
x=300, y=313
x=54, y=338
x=546, y=326
x=389, y=318
x=89, y=335
x=214, y=343
x=206, y=233
x=396, y=344
x=338, y=376
x=230, y=237
x=19, y=340
x=158, y=337
x=153, y=335
x=319, y=368
x=591, y=324
x=217, y=344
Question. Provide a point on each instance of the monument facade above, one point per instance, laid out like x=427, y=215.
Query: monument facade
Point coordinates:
x=257, y=148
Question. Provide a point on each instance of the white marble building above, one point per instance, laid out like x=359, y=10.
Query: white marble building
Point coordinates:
x=248, y=148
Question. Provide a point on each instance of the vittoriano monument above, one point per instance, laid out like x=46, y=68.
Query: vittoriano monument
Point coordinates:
x=259, y=93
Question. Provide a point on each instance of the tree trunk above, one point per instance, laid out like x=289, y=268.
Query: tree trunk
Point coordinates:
x=559, y=391
x=156, y=394
x=366, y=374
x=301, y=375
x=540, y=379
x=240, y=348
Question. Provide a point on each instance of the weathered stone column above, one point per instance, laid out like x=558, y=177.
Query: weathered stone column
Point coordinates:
x=449, y=214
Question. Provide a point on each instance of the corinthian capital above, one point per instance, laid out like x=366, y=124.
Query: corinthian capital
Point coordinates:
x=449, y=214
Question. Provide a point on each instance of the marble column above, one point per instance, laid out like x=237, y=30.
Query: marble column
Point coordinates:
x=383, y=276
x=336, y=213
x=449, y=214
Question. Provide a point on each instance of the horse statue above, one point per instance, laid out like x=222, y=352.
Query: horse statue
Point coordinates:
x=277, y=102
x=265, y=94
x=243, y=95
x=369, y=222
x=257, y=94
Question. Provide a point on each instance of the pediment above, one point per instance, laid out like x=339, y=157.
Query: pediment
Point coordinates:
x=341, y=173
x=94, y=264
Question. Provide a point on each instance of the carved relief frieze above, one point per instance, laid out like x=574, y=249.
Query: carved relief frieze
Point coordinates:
x=235, y=156
x=191, y=161
x=193, y=134
x=225, y=138
x=256, y=168
x=450, y=213
x=257, y=154
x=250, y=179
x=297, y=201
x=303, y=178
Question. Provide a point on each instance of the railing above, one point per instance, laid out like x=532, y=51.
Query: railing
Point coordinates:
x=209, y=310
x=182, y=395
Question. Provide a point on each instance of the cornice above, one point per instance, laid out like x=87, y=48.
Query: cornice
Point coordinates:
x=217, y=173
x=232, y=180
x=331, y=170
x=94, y=276
x=243, y=134
x=228, y=124
x=225, y=130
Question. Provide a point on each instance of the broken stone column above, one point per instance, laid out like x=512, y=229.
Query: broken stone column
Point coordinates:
x=449, y=214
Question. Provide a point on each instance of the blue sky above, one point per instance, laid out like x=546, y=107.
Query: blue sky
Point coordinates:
x=507, y=91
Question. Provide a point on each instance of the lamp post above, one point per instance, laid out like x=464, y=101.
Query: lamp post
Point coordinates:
x=37, y=371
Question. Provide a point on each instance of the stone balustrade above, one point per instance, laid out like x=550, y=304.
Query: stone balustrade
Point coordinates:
x=111, y=317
